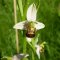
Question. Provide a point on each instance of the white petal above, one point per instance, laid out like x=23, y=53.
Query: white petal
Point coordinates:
x=19, y=56
x=31, y=13
x=14, y=58
x=24, y=55
x=19, y=25
x=29, y=39
x=39, y=25
x=38, y=51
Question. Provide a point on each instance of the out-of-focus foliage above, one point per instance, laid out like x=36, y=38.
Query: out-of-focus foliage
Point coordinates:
x=7, y=35
x=48, y=13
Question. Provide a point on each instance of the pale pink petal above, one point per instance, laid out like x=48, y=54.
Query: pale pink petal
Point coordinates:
x=19, y=25
x=38, y=51
x=39, y=25
x=31, y=13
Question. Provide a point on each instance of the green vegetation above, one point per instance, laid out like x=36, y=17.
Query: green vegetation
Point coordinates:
x=48, y=13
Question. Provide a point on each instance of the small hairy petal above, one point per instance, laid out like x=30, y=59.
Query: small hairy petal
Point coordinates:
x=31, y=13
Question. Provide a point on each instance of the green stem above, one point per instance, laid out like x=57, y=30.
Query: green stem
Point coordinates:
x=24, y=45
x=15, y=18
x=33, y=56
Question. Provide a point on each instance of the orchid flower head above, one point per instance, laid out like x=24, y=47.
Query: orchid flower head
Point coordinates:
x=40, y=48
x=30, y=25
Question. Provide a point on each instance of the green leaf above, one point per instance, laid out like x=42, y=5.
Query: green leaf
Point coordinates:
x=20, y=7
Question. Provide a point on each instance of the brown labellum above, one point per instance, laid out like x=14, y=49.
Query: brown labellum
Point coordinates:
x=30, y=32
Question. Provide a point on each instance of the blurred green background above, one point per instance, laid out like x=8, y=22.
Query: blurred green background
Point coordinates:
x=48, y=13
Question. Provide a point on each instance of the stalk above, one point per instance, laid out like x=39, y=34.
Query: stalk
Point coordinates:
x=33, y=56
x=15, y=19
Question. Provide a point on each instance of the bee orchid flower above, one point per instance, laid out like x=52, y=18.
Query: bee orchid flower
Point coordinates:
x=30, y=25
x=40, y=48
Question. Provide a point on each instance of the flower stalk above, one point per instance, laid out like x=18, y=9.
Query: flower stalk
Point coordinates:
x=15, y=18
